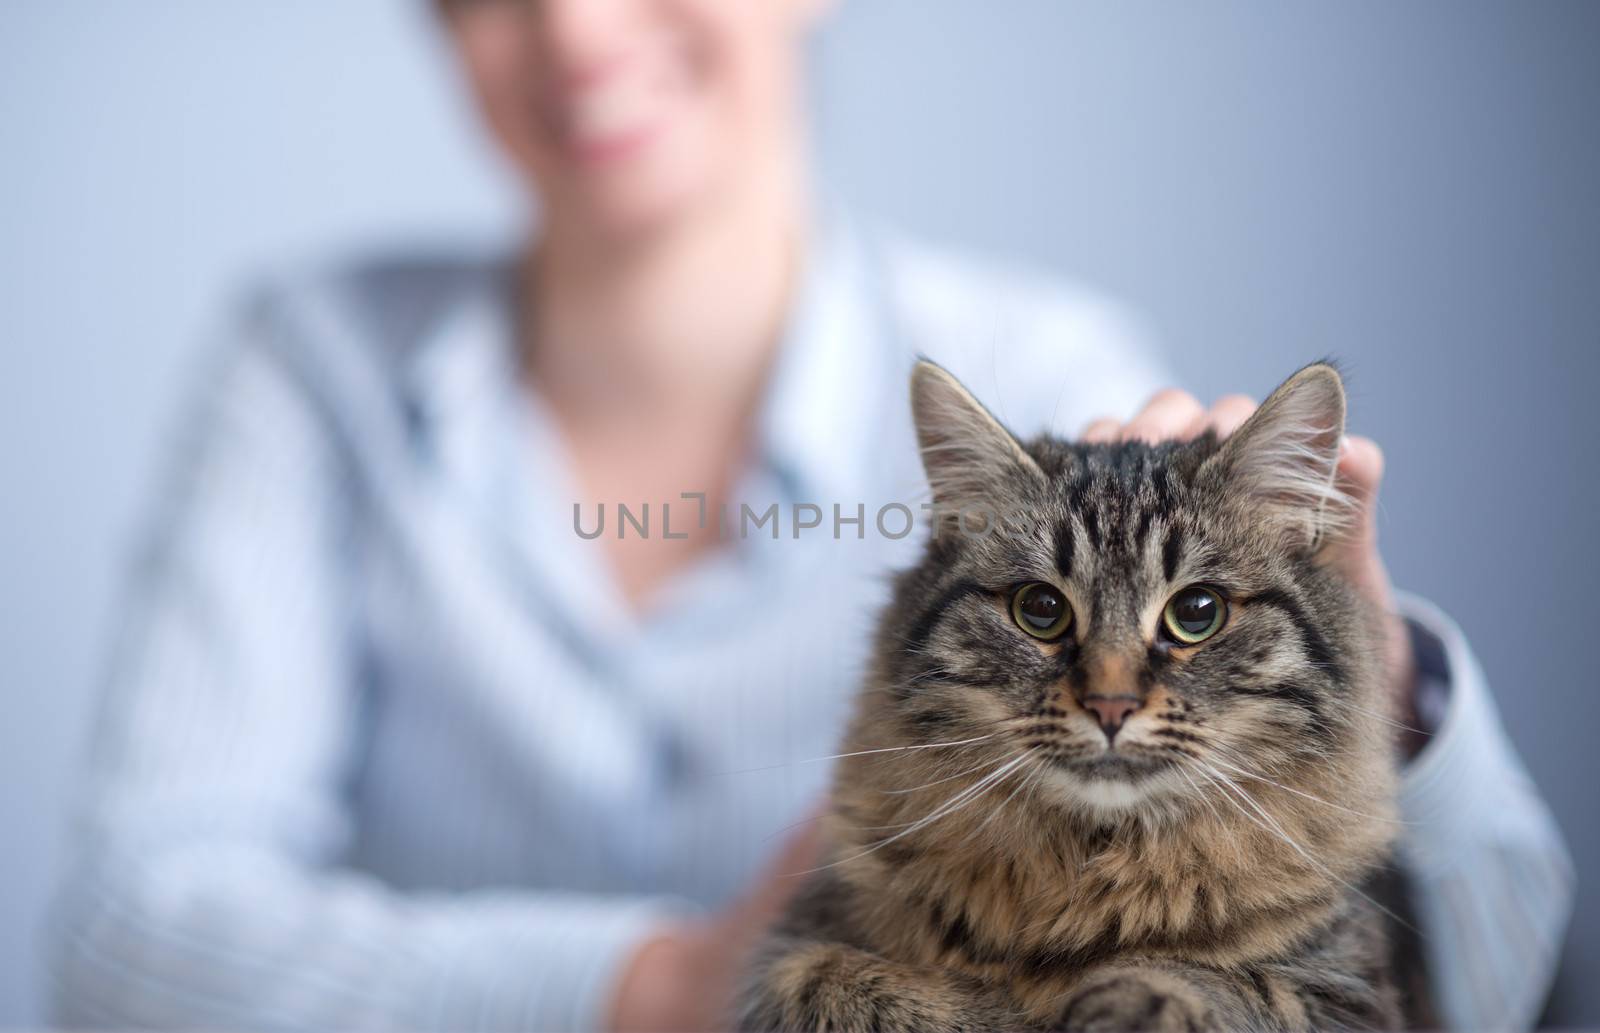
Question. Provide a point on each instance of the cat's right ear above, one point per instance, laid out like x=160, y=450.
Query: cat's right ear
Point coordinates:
x=970, y=457
x=1285, y=457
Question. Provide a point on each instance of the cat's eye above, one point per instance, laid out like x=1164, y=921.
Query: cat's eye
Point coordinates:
x=1194, y=615
x=1041, y=610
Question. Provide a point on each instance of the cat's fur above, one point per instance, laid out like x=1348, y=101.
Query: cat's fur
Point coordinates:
x=1213, y=872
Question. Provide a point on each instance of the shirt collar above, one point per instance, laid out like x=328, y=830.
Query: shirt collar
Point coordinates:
x=814, y=424
x=467, y=348
x=460, y=377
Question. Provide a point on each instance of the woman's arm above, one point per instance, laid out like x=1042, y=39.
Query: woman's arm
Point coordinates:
x=1491, y=881
x=206, y=889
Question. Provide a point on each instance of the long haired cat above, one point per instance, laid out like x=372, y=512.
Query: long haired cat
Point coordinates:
x=1121, y=761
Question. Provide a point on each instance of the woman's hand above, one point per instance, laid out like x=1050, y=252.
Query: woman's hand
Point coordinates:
x=1172, y=414
x=684, y=980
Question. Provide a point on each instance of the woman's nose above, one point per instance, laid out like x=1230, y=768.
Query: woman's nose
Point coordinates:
x=583, y=38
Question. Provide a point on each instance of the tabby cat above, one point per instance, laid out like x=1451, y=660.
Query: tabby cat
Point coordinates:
x=1121, y=761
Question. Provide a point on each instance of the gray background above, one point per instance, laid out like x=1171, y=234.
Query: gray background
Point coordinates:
x=1412, y=187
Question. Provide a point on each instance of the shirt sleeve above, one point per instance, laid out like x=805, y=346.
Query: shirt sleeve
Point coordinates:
x=206, y=888
x=1491, y=880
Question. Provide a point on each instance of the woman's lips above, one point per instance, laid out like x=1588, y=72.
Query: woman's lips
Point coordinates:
x=610, y=120
x=599, y=151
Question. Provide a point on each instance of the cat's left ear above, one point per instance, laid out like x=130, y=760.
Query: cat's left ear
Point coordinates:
x=971, y=459
x=1286, y=455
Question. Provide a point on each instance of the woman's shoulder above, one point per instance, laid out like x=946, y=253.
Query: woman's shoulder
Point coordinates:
x=1041, y=339
x=387, y=301
x=354, y=333
x=353, y=342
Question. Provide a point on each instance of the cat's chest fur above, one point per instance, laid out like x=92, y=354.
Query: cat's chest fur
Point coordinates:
x=1033, y=914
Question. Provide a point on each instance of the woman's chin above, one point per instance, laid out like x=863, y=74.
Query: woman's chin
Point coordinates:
x=625, y=212
x=633, y=194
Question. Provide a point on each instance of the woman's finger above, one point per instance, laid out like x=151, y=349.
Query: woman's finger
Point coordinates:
x=1229, y=413
x=1167, y=416
x=1360, y=473
x=1361, y=463
x=1355, y=552
x=1103, y=431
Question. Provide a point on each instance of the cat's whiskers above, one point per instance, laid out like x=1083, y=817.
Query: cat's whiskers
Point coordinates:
x=1356, y=707
x=1217, y=753
x=1271, y=825
x=990, y=764
x=926, y=676
x=1199, y=793
x=1229, y=758
x=864, y=753
x=1228, y=787
x=1028, y=775
x=937, y=781
x=1384, y=718
x=955, y=803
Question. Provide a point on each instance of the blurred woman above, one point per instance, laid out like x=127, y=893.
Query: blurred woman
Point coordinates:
x=393, y=738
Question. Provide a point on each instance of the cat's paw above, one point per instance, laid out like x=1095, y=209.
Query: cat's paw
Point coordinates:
x=827, y=986
x=1136, y=1002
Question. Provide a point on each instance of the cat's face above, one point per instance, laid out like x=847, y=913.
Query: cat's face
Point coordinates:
x=1135, y=626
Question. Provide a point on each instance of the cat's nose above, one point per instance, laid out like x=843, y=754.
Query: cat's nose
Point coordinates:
x=1111, y=711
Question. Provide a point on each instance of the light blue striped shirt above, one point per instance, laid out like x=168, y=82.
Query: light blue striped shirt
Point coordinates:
x=383, y=746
